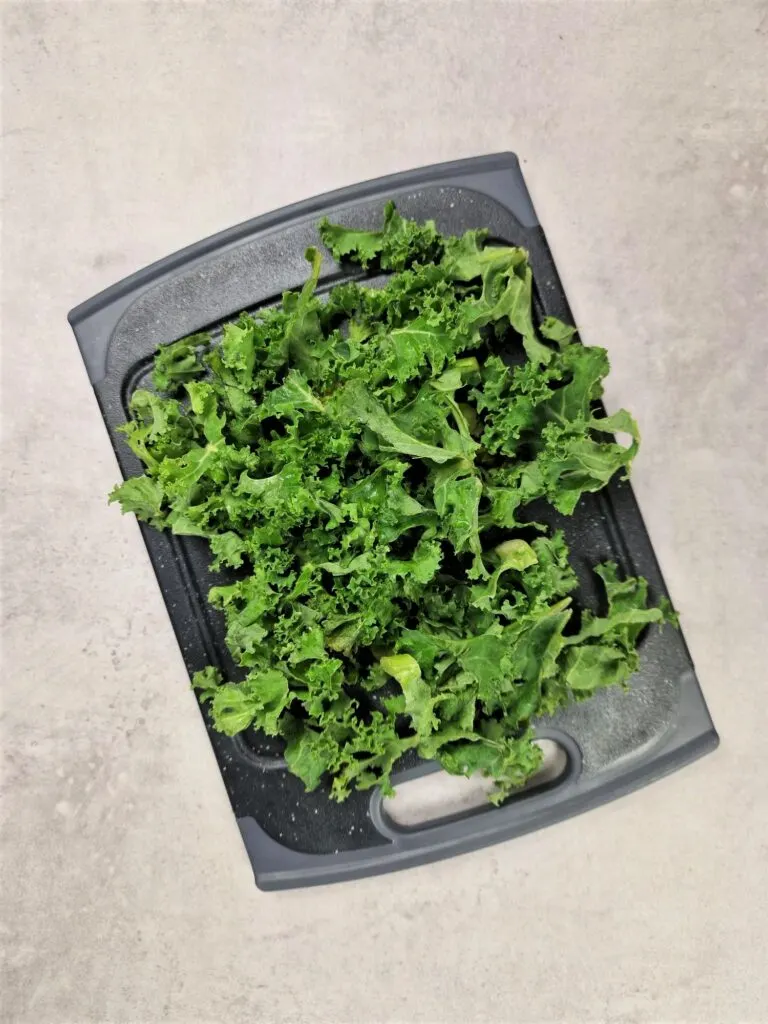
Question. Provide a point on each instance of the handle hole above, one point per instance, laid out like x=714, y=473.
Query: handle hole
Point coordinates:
x=438, y=796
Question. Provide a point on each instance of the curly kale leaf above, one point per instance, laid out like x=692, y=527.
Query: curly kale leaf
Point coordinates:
x=399, y=243
x=359, y=464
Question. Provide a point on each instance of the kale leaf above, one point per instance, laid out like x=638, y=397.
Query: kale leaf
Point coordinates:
x=360, y=463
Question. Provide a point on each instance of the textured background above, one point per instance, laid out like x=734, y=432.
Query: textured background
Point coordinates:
x=131, y=129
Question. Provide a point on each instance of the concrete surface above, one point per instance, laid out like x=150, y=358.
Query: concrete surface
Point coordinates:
x=130, y=129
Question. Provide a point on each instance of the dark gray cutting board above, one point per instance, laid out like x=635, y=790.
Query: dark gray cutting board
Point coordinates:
x=613, y=743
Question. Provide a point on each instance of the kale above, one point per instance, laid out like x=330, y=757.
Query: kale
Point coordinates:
x=363, y=461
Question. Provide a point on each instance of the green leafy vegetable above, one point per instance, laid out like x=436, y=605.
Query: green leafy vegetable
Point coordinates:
x=361, y=466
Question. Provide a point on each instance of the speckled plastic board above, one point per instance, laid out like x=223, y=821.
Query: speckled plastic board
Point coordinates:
x=612, y=744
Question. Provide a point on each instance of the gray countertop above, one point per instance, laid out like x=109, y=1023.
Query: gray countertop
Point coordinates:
x=131, y=129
